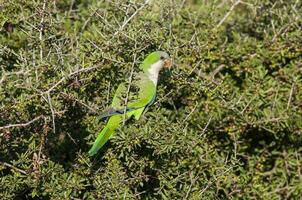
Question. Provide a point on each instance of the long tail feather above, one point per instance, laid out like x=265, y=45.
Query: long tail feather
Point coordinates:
x=100, y=141
x=105, y=134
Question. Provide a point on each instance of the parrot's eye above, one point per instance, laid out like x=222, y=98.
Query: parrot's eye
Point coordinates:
x=162, y=57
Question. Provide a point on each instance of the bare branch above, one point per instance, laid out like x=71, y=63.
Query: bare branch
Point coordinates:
x=228, y=13
x=192, y=180
x=68, y=76
x=205, y=128
x=13, y=167
x=192, y=111
x=290, y=96
x=22, y=124
x=128, y=89
x=210, y=182
x=41, y=30
x=88, y=20
x=53, y=115
x=217, y=70
x=69, y=96
x=130, y=18
x=3, y=75
x=247, y=105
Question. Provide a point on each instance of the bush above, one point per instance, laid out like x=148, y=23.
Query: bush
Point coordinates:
x=227, y=119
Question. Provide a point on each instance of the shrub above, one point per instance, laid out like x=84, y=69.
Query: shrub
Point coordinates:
x=226, y=122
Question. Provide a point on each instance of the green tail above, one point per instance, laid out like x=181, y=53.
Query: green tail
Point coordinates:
x=113, y=122
x=105, y=134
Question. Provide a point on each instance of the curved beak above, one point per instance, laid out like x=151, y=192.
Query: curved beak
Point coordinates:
x=168, y=63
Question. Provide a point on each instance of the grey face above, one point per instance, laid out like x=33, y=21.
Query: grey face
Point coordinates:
x=163, y=55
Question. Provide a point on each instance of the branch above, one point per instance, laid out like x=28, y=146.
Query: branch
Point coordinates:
x=22, y=124
x=52, y=113
x=68, y=76
x=130, y=18
x=205, y=128
x=70, y=97
x=41, y=30
x=290, y=96
x=3, y=76
x=13, y=167
x=228, y=13
x=128, y=89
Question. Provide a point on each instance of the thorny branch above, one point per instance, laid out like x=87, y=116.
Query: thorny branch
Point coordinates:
x=52, y=112
x=56, y=85
x=231, y=9
x=22, y=124
x=228, y=13
x=128, y=89
x=13, y=167
x=48, y=93
x=68, y=76
x=130, y=18
x=41, y=30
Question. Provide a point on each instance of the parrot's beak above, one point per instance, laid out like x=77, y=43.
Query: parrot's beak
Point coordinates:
x=168, y=63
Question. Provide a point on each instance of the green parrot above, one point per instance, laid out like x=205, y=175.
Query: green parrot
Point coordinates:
x=132, y=100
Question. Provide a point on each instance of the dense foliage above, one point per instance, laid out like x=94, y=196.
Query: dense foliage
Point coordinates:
x=227, y=122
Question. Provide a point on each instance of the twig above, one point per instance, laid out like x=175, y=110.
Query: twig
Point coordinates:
x=108, y=92
x=290, y=96
x=88, y=20
x=247, y=105
x=217, y=70
x=22, y=124
x=211, y=182
x=3, y=75
x=52, y=112
x=103, y=56
x=7, y=74
x=200, y=75
x=228, y=13
x=69, y=96
x=40, y=149
x=41, y=30
x=270, y=120
x=205, y=128
x=187, y=117
x=68, y=76
x=194, y=68
x=190, y=188
x=71, y=138
x=129, y=19
x=13, y=167
x=164, y=97
x=128, y=89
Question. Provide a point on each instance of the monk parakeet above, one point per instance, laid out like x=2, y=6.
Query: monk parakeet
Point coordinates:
x=131, y=100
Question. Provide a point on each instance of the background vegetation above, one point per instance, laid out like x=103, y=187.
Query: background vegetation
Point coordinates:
x=226, y=123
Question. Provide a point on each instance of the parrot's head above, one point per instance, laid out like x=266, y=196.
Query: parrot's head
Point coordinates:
x=156, y=61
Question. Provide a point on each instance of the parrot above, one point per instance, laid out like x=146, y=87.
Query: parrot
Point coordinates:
x=133, y=99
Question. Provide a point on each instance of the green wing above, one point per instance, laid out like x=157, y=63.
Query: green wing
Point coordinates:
x=147, y=92
x=118, y=102
x=141, y=92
